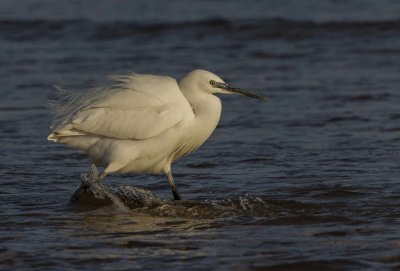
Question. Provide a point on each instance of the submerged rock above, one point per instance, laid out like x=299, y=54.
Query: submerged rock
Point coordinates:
x=94, y=192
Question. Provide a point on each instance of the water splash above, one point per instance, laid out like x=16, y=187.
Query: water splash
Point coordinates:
x=93, y=194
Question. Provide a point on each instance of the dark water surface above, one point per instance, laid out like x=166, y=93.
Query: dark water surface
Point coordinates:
x=308, y=181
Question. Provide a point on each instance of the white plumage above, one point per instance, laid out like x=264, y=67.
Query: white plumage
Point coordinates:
x=141, y=123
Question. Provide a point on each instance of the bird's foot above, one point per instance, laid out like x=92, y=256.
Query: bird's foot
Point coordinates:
x=176, y=195
x=89, y=179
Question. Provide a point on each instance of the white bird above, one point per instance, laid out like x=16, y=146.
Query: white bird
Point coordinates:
x=142, y=123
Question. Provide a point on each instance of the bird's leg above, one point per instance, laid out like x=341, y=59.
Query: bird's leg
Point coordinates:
x=102, y=176
x=95, y=174
x=172, y=185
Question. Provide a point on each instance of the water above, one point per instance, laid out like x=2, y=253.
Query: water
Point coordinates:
x=308, y=181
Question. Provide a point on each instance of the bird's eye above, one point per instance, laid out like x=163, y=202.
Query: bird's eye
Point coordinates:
x=212, y=82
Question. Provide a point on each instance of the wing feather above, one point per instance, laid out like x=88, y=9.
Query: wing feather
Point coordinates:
x=126, y=124
x=137, y=107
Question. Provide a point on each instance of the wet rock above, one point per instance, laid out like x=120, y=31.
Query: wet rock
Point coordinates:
x=94, y=192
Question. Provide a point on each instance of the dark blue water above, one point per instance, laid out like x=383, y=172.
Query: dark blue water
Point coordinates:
x=308, y=181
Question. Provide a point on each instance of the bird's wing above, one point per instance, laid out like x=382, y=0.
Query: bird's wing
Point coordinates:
x=138, y=107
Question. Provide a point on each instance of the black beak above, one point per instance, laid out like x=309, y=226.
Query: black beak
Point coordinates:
x=231, y=89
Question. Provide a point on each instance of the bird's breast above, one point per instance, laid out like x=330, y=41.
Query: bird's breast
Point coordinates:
x=200, y=128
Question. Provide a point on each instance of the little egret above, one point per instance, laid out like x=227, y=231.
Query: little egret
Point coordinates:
x=142, y=123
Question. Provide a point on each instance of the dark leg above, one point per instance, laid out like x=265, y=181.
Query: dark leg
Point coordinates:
x=172, y=185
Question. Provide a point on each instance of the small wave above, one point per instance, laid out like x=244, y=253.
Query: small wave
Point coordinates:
x=390, y=51
x=19, y=108
x=258, y=54
x=201, y=165
x=335, y=264
x=345, y=119
x=359, y=98
x=394, y=116
x=26, y=30
x=338, y=193
x=257, y=28
x=334, y=120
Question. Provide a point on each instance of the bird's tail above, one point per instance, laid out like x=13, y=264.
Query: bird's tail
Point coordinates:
x=53, y=137
x=63, y=132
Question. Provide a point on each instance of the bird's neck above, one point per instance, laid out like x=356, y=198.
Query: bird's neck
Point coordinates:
x=206, y=107
x=207, y=111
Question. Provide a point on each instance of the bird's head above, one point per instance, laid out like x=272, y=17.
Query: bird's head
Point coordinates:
x=213, y=84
